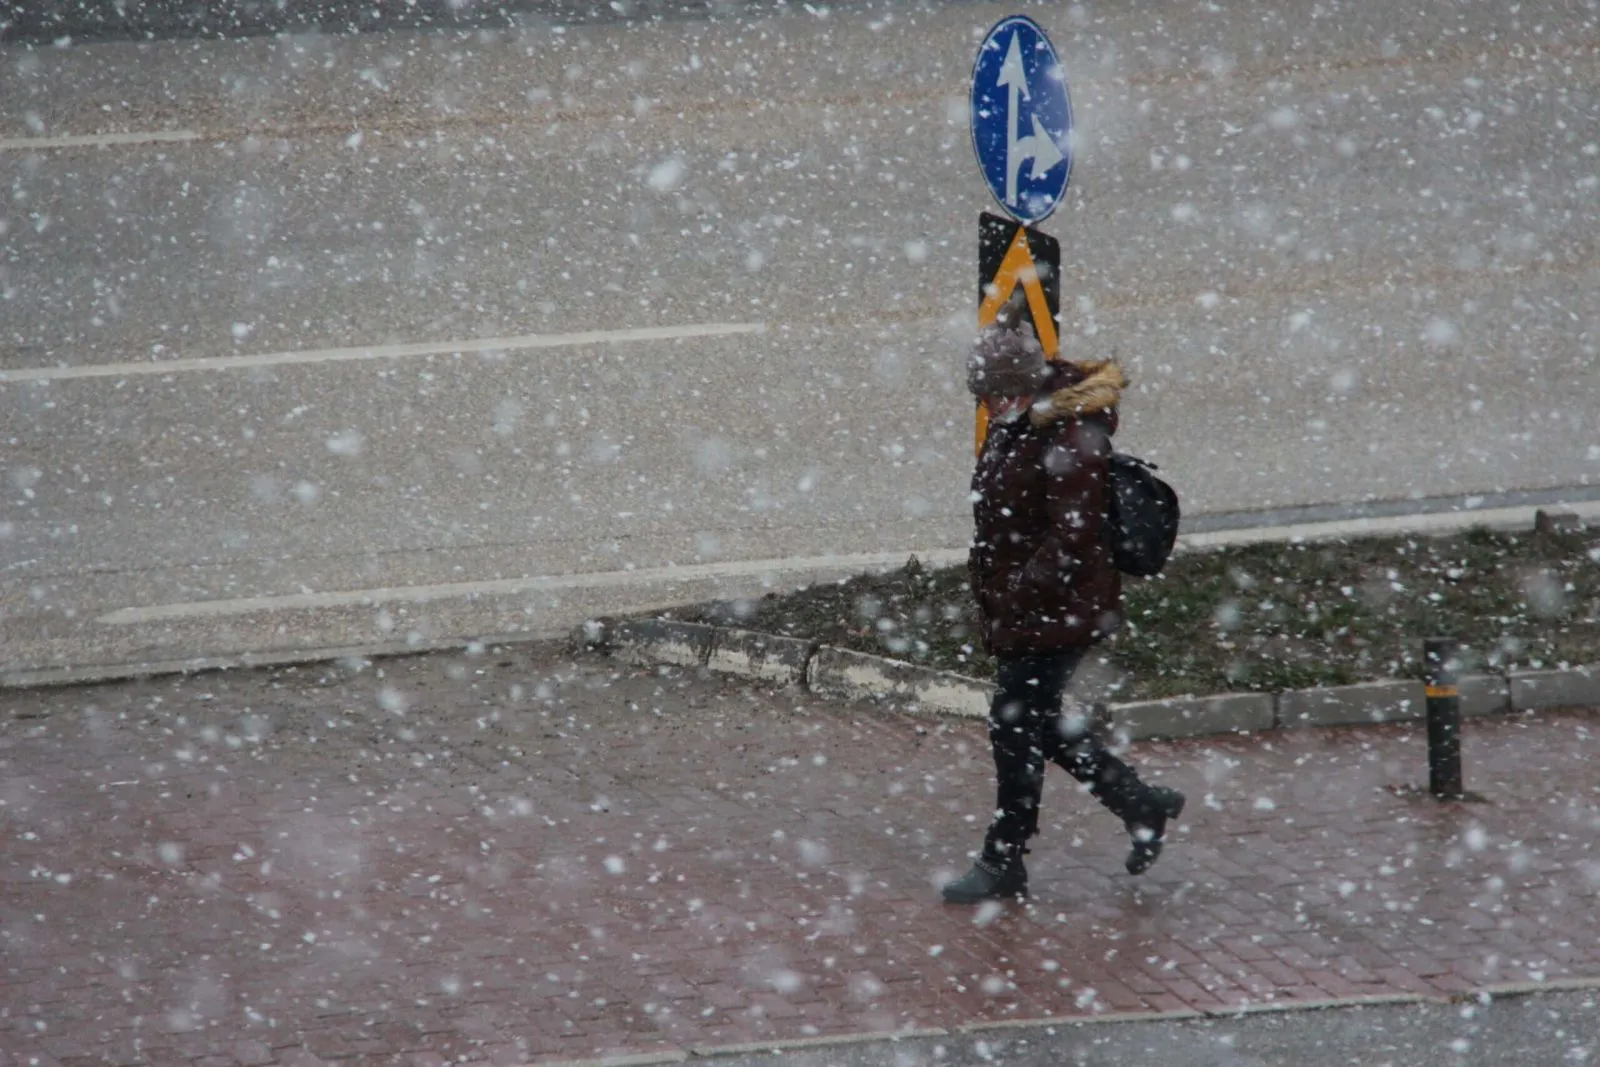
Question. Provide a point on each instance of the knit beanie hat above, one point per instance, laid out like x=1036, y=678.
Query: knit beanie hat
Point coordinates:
x=1007, y=362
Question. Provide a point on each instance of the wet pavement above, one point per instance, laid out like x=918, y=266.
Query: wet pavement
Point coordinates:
x=520, y=856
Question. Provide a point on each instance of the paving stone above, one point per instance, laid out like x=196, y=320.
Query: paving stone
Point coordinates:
x=529, y=857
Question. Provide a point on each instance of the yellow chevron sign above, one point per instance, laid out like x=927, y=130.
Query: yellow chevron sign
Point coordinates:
x=1009, y=255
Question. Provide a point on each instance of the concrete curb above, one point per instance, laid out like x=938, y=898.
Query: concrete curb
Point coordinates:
x=800, y=1044
x=1564, y=688
x=650, y=641
x=1345, y=705
x=632, y=1059
x=1222, y=713
x=36, y=678
x=1485, y=694
x=842, y=674
x=763, y=657
x=1063, y=1021
x=1359, y=1000
x=1048, y=1023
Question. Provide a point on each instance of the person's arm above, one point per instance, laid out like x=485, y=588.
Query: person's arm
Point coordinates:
x=979, y=604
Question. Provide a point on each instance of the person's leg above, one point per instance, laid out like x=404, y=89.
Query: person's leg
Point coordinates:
x=1027, y=692
x=1027, y=699
x=1143, y=809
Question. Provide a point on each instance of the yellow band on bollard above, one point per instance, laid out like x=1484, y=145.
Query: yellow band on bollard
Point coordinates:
x=1442, y=691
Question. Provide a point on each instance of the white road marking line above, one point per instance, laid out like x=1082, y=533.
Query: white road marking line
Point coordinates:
x=1424, y=524
x=524, y=342
x=97, y=140
x=598, y=580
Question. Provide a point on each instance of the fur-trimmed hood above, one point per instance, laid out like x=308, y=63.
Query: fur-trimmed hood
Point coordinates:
x=1098, y=390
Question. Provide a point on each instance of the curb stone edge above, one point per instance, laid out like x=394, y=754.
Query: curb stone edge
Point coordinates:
x=60, y=677
x=796, y=1044
x=1365, y=1000
x=829, y=672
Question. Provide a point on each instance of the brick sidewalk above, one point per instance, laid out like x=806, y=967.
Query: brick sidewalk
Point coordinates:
x=512, y=859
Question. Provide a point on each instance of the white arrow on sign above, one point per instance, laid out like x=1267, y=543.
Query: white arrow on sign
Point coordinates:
x=1037, y=146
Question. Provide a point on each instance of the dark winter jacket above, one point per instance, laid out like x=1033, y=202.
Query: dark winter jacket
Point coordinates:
x=1040, y=562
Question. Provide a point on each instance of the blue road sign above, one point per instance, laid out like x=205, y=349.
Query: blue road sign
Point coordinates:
x=1021, y=119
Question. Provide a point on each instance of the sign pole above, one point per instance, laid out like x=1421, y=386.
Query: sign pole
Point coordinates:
x=1022, y=138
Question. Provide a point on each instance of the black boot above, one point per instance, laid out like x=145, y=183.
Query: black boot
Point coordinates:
x=1149, y=825
x=1143, y=809
x=996, y=875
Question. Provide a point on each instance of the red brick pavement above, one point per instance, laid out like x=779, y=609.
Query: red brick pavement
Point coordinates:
x=518, y=858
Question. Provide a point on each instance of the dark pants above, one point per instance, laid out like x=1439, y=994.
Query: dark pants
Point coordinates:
x=1027, y=729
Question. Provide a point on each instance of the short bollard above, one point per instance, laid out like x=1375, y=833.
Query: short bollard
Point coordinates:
x=1444, y=718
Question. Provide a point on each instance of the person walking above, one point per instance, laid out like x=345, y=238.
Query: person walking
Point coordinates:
x=1047, y=591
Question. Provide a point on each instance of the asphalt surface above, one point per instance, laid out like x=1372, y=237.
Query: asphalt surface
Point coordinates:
x=1345, y=260
x=48, y=22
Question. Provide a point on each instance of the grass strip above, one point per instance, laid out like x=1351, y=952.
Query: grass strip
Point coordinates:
x=1260, y=617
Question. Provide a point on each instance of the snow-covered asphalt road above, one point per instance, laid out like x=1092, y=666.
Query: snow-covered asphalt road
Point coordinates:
x=484, y=332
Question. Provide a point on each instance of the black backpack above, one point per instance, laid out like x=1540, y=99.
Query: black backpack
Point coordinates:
x=1141, y=516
